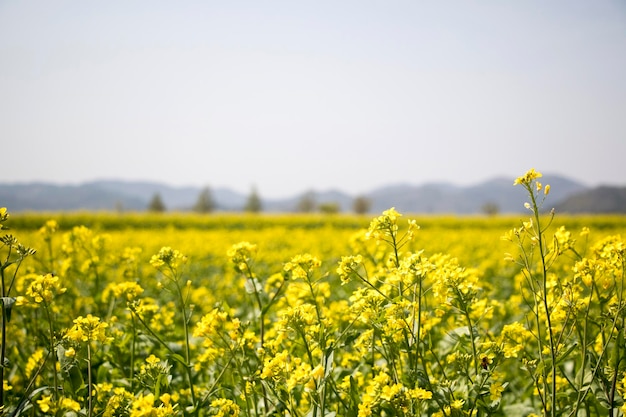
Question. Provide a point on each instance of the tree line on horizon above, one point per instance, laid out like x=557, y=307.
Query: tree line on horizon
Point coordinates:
x=205, y=203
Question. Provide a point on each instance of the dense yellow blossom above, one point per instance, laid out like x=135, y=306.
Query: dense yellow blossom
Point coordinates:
x=529, y=176
x=434, y=323
x=44, y=288
x=88, y=328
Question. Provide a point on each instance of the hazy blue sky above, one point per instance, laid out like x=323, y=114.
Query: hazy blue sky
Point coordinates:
x=293, y=95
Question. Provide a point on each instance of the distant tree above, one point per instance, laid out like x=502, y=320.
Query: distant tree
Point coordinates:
x=253, y=204
x=490, y=209
x=205, y=202
x=156, y=204
x=329, y=208
x=306, y=203
x=361, y=205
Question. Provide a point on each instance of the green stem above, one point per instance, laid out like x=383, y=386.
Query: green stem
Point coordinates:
x=187, y=347
x=53, y=354
x=89, y=381
x=2, y=355
x=544, y=272
x=132, y=353
x=4, y=340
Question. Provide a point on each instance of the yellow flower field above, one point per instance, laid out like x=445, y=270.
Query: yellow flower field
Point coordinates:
x=285, y=315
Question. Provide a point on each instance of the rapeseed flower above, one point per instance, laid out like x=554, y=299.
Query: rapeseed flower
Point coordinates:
x=87, y=329
x=301, y=266
x=49, y=406
x=276, y=366
x=241, y=255
x=225, y=408
x=169, y=258
x=420, y=394
x=128, y=290
x=210, y=324
x=44, y=288
x=145, y=406
x=349, y=267
x=528, y=177
x=34, y=362
x=48, y=229
x=4, y=215
x=495, y=391
x=46, y=403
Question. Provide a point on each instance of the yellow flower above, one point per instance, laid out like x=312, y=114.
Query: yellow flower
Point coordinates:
x=153, y=360
x=34, y=362
x=420, y=394
x=168, y=257
x=45, y=403
x=225, y=407
x=301, y=265
x=348, y=267
x=383, y=225
x=275, y=366
x=69, y=404
x=317, y=372
x=3, y=216
x=87, y=329
x=48, y=229
x=241, y=255
x=44, y=288
x=128, y=290
x=143, y=406
x=528, y=177
x=457, y=404
x=495, y=391
x=210, y=323
x=389, y=392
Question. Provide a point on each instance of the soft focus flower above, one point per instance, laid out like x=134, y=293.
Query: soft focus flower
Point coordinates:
x=241, y=255
x=225, y=408
x=528, y=177
x=301, y=265
x=168, y=257
x=44, y=288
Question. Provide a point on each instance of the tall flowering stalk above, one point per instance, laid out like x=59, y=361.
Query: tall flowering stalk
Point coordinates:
x=421, y=318
x=88, y=330
x=531, y=238
x=576, y=314
x=310, y=323
x=265, y=294
x=42, y=290
x=170, y=263
x=9, y=267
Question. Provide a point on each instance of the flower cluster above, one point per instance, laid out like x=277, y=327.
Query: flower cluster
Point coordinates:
x=87, y=329
x=44, y=288
x=301, y=266
x=168, y=258
x=241, y=255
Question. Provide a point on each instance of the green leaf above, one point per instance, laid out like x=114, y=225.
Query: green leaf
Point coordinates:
x=178, y=358
x=564, y=355
x=76, y=381
x=354, y=391
x=328, y=365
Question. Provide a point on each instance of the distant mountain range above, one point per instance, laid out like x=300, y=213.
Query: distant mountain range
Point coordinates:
x=498, y=194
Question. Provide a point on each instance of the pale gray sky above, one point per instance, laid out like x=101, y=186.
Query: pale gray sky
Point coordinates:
x=293, y=95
